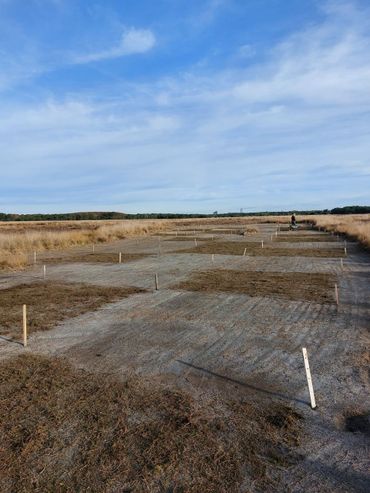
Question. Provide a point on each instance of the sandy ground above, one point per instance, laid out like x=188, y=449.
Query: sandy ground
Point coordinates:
x=229, y=343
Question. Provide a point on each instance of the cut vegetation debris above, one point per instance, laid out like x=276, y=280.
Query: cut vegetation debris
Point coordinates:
x=94, y=257
x=63, y=429
x=293, y=238
x=237, y=248
x=298, y=286
x=48, y=303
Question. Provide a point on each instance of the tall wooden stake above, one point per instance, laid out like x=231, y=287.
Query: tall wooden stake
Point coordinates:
x=336, y=294
x=120, y=257
x=44, y=272
x=262, y=243
x=245, y=251
x=309, y=379
x=24, y=325
x=34, y=257
x=156, y=282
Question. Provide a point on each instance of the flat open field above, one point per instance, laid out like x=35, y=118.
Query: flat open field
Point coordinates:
x=199, y=385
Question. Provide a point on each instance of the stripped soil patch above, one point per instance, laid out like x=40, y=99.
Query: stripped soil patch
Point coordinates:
x=298, y=286
x=237, y=248
x=63, y=429
x=111, y=258
x=48, y=303
x=310, y=238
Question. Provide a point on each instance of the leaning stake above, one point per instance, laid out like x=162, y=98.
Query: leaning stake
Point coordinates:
x=24, y=325
x=309, y=379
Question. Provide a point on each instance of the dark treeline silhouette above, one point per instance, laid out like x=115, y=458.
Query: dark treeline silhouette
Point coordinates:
x=97, y=216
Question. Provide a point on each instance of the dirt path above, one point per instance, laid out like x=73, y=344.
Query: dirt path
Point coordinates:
x=232, y=343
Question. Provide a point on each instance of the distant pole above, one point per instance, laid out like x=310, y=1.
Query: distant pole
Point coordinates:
x=24, y=325
x=156, y=282
x=309, y=379
x=44, y=272
x=120, y=257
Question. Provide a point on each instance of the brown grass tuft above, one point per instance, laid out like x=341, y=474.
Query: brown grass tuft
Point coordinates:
x=49, y=303
x=300, y=286
x=67, y=430
x=237, y=248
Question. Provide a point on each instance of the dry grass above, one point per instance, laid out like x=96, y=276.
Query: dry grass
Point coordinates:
x=237, y=248
x=355, y=226
x=94, y=258
x=66, y=430
x=19, y=240
x=297, y=286
x=48, y=303
x=296, y=238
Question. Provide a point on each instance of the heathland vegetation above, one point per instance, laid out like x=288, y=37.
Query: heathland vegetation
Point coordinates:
x=19, y=239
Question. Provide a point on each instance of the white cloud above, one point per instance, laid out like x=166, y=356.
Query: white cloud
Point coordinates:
x=133, y=41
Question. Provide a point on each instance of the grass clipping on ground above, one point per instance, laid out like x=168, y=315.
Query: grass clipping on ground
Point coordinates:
x=112, y=258
x=63, y=429
x=298, y=286
x=49, y=303
x=269, y=250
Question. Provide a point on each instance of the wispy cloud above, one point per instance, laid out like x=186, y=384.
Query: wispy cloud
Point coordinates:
x=289, y=131
x=133, y=41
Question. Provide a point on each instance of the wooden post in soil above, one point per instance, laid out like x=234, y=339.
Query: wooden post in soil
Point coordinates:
x=309, y=379
x=262, y=243
x=245, y=251
x=213, y=258
x=345, y=251
x=336, y=294
x=34, y=257
x=93, y=248
x=195, y=242
x=341, y=264
x=24, y=325
x=120, y=258
x=44, y=272
x=156, y=282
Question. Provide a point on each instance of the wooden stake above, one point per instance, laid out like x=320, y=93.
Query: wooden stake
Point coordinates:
x=341, y=263
x=24, y=325
x=309, y=379
x=245, y=251
x=44, y=272
x=213, y=257
x=156, y=282
x=195, y=241
x=34, y=257
x=336, y=294
x=120, y=258
x=93, y=248
x=345, y=251
x=262, y=243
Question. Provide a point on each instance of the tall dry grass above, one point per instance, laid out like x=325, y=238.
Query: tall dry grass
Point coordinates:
x=356, y=226
x=17, y=241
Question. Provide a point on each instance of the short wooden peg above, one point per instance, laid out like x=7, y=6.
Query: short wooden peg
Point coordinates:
x=24, y=325
x=309, y=379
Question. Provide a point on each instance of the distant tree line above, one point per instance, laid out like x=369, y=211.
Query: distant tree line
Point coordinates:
x=97, y=216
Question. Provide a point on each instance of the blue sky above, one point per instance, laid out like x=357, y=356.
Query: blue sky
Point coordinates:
x=184, y=105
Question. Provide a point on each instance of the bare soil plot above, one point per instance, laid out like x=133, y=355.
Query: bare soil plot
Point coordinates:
x=111, y=258
x=48, y=303
x=293, y=238
x=237, y=248
x=70, y=430
x=298, y=286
